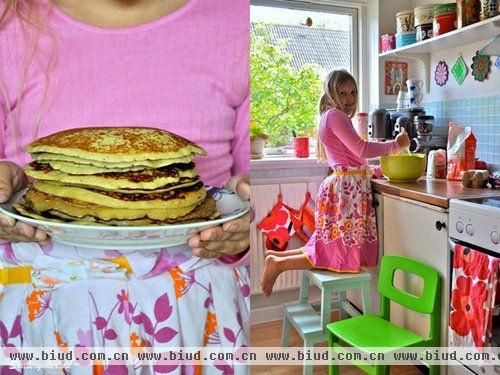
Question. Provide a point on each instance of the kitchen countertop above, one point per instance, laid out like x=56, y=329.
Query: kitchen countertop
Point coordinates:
x=431, y=191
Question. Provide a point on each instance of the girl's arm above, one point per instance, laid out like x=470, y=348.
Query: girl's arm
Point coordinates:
x=341, y=126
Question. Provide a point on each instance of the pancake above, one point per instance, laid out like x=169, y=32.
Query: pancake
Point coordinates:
x=147, y=179
x=205, y=211
x=41, y=202
x=116, y=144
x=143, y=164
x=172, y=199
x=116, y=176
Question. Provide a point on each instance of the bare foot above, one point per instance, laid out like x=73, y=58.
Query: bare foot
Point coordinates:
x=271, y=272
x=282, y=254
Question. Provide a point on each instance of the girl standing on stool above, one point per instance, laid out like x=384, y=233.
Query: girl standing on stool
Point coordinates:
x=345, y=238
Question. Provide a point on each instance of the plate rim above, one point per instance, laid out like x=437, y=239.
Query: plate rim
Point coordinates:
x=197, y=224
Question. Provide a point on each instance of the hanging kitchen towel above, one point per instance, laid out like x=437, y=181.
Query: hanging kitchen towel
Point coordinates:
x=279, y=225
x=307, y=217
x=474, y=285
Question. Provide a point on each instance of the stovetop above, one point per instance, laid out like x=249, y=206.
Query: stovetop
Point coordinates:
x=487, y=201
x=476, y=221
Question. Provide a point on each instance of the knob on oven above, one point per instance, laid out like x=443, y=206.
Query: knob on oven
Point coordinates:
x=460, y=226
x=494, y=237
x=469, y=229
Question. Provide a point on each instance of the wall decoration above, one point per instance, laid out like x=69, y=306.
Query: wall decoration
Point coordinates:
x=441, y=73
x=396, y=74
x=480, y=66
x=459, y=69
x=497, y=62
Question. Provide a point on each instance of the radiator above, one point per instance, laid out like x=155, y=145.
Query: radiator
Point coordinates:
x=263, y=199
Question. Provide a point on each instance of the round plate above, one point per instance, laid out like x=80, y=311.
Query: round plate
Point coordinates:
x=132, y=238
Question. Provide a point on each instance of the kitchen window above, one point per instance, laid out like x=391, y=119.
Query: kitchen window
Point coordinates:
x=293, y=46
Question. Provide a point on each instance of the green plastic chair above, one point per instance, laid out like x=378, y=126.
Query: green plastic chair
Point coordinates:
x=369, y=331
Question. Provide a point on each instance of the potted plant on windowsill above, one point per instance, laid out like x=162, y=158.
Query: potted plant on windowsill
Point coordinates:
x=257, y=140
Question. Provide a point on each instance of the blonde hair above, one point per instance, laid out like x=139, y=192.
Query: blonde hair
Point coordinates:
x=330, y=99
x=31, y=18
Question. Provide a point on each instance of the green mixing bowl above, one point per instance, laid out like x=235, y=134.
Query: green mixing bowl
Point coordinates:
x=402, y=167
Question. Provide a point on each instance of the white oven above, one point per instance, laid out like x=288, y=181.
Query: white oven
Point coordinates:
x=475, y=223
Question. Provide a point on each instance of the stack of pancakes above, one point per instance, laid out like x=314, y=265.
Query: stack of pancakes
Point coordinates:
x=115, y=176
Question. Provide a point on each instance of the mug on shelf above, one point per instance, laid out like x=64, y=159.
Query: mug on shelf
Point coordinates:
x=414, y=92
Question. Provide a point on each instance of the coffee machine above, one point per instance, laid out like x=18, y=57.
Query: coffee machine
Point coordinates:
x=379, y=125
x=403, y=119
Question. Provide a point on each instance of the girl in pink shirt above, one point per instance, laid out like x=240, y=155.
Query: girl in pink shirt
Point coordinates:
x=345, y=237
x=177, y=65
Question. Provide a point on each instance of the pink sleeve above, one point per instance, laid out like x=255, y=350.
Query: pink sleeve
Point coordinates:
x=3, y=123
x=240, y=146
x=241, y=259
x=342, y=127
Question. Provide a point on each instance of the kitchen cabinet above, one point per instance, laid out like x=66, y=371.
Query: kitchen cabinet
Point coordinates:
x=417, y=230
x=354, y=296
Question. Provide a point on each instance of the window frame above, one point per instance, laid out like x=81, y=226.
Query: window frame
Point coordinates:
x=359, y=11
x=332, y=7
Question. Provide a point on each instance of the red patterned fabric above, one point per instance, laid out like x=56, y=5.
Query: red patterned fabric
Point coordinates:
x=279, y=225
x=474, y=287
x=307, y=217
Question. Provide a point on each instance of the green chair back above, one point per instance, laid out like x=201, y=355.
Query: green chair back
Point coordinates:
x=426, y=303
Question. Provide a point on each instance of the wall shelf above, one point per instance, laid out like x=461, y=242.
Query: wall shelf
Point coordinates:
x=421, y=51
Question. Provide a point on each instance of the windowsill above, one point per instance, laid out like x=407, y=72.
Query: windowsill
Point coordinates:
x=285, y=161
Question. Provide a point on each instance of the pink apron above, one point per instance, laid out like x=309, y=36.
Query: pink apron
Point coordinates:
x=346, y=237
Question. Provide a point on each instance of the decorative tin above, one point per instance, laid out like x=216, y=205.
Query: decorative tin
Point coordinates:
x=424, y=32
x=424, y=14
x=489, y=8
x=444, y=9
x=444, y=23
x=404, y=21
x=405, y=39
x=441, y=74
x=459, y=69
x=467, y=12
x=388, y=42
x=480, y=66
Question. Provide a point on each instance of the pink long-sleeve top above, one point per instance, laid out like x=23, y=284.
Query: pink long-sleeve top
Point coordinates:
x=186, y=72
x=342, y=144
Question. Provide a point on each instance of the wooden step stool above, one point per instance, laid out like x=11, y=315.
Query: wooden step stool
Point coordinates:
x=305, y=318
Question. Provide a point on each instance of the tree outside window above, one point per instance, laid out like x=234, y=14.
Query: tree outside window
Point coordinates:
x=284, y=99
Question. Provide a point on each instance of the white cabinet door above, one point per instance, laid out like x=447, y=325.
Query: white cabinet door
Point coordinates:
x=410, y=230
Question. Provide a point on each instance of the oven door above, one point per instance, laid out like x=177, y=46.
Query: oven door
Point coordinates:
x=460, y=368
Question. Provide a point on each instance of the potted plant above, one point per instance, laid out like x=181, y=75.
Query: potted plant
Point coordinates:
x=257, y=140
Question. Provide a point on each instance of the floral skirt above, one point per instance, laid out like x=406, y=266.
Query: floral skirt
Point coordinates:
x=83, y=298
x=346, y=237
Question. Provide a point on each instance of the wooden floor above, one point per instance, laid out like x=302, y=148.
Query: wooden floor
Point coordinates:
x=269, y=334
